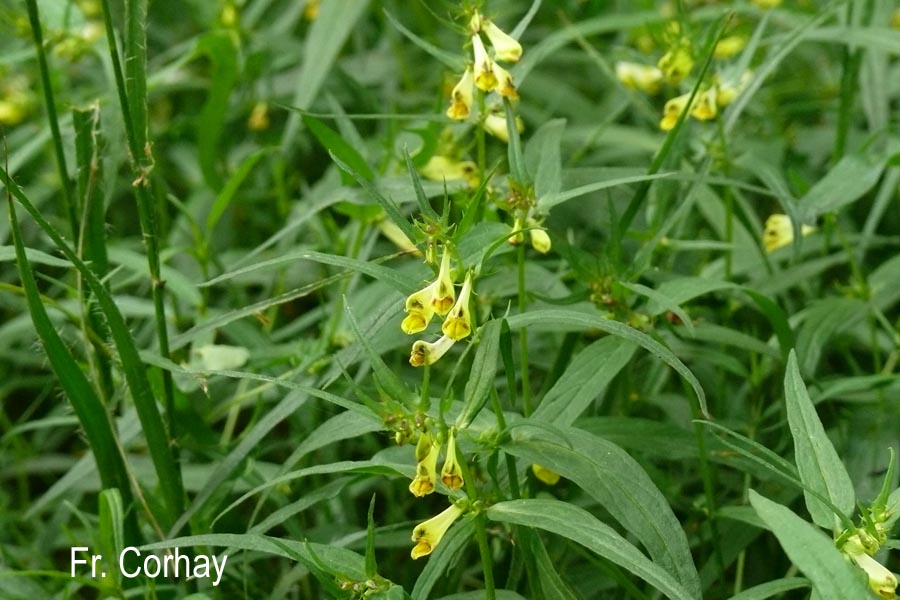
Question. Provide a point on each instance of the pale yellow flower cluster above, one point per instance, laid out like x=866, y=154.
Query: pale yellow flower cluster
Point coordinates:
x=438, y=298
x=427, y=535
x=779, y=232
x=486, y=74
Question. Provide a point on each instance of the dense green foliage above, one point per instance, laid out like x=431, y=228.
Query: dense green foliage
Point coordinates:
x=479, y=299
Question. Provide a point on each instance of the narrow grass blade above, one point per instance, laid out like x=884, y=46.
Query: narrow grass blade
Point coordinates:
x=132, y=366
x=90, y=410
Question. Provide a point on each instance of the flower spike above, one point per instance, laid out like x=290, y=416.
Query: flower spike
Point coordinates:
x=428, y=535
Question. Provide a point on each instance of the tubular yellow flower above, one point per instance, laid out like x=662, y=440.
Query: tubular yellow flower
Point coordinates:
x=311, y=10
x=444, y=294
x=505, y=86
x=505, y=47
x=484, y=69
x=439, y=168
x=496, y=126
x=428, y=535
x=645, y=78
x=458, y=324
x=461, y=97
x=779, y=232
x=544, y=474
x=881, y=580
x=419, y=310
x=451, y=475
x=424, y=353
x=518, y=236
x=676, y=64
x=540, y=240
x=729, y=46
x=426, y=467
x=767, y=3
x=705, y=107
x=672, y=110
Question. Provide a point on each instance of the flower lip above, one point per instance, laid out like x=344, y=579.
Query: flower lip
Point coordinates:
x=425, y=353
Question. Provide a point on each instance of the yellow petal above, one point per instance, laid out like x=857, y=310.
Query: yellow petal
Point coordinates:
x=544, y=474
x=506, y=48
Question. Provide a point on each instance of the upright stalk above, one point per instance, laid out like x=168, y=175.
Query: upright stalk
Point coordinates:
x=142, y=164
x=52, y=118
x=523, y=335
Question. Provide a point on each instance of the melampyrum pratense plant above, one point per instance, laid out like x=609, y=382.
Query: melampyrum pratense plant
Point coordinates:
x=459, y=299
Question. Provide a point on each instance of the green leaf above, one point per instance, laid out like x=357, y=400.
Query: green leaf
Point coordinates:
x=229, y=191
x=339, y=560
x=421, y=198
x=323, y=42
x=391, y=277
x=483, y=374
x=516, y=158
x=551, y=583
x=390, y=383
x=339, y=147
x=812, y=552
x=584, y=380
x=542, y=157
x=389, y=206
x=849, y=180
x=587, y=321
x=452, y=61
x=111, y=530
x=550, y=200
x=772, y=588
x=619, y=484
x=819, y=465
x=580, y=526
x=220, y=48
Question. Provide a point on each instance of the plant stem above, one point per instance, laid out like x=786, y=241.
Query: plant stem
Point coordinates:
x=52, y=118
x=523, y=335
x=486, y=562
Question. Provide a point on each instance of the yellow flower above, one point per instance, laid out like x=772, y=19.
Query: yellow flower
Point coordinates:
x=426, y=466
x=444, y=294
x=428, y=535
x=311, y=10
x=505, y=85
x=496, y=126
x=424, y=353
x=672, y=110
x=676, y=64
x=895, y=19
x=881, y=580
x=451, y=475
x=544, y=474
x=645, y=78
x=419, y=310
x=728, y=91
x=459, y=322
x=729, y=46
x=505, y=47
x=779, y=232
x=259, y=117
x=517, y=236
x=440, y=168
x=540, y=240
x=484, y=69
x=461, y=97
x=705, y=107
x=767, y=3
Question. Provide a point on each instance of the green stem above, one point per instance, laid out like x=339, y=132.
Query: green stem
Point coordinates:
x=523, y=335
x=65, y=188
x=142, y=165
x=486, y=562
